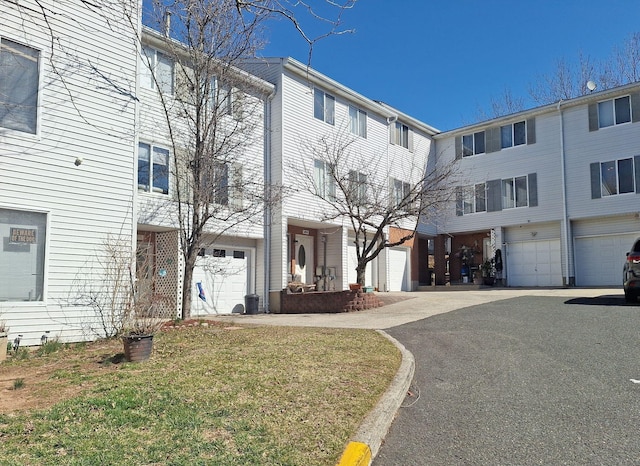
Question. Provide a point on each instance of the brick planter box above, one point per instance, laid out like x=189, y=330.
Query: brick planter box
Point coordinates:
x=327, y=302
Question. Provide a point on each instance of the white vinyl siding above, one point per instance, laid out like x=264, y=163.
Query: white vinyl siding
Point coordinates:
x=84, y=202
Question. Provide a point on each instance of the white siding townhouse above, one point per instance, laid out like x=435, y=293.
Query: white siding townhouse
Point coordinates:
x=67, y=115
x=231, y=262
x=555, y=188
x=304, y=245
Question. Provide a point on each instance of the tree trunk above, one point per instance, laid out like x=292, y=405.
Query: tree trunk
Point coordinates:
x=360, y=274
x=186, y=287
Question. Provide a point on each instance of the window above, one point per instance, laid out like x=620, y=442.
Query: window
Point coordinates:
x=514, y=192
x=614, y=111
x=401, y=135
x=324, y=106
x=160, y=64
x=227, y=186
x=324, y=180
x=18, y=86
x=22, y=255
x=400, y=193
x=615, y=177
x=513, y=135
x=358, y=121
x=473, y=144
x=153, y=169
x=473, y=199
x=357, y=187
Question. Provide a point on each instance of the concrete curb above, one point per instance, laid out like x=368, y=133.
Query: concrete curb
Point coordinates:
x=375, y=426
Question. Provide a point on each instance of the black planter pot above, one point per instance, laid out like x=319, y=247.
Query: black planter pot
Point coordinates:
x=137, y=347
x=489, y=281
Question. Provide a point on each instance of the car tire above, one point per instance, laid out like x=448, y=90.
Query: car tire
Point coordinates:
x=630, y=297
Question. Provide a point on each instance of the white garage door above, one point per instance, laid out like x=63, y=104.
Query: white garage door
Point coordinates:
x=352, y=262
x=599, y=259
x=534, y=263
x=220, y=282
x=399, y=269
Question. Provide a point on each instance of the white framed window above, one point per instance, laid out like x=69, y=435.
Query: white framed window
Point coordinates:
x=324, y=106
x=474, y=199
x=160, y=64
x=401, y=135
x=514, y=134
x=325, y=184
x=358, y=187
x=19, y=82
x=358, y=121
x=614, y=111
x=515, y=192
x=153, y=168
x=400, y=192
x=617, y=177
x=227, y=184
x=473, y=144
x=22, y=255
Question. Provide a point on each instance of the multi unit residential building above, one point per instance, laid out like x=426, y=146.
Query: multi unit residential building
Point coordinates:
x=67, y=132
x=317, y=122
x=86, y=157
x=555, y=188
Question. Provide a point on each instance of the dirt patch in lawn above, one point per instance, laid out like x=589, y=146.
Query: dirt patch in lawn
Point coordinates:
x=46, y=380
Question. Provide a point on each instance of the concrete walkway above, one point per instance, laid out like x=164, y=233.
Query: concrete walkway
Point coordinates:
x=409, y=307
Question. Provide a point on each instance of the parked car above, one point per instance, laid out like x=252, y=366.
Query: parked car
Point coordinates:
x=631, y=274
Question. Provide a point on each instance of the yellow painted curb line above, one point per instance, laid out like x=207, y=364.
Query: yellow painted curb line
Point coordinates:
x=356, y=454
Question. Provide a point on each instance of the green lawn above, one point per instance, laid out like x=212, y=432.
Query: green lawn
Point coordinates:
x=243, y=396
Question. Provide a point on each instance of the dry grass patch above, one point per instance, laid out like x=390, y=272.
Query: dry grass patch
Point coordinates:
x=254, y=395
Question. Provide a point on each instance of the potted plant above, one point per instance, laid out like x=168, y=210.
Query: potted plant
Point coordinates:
x=147, y=310
x=3, y=340
x=488, y=274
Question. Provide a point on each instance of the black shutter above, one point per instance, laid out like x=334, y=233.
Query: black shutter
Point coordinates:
x=531, y=131
x=596, y=191
x=458, y=147
x=636, y=163
x=494, y=195
x=593, y=117
x=459, y=201
x=533, y=189
x=635, y=107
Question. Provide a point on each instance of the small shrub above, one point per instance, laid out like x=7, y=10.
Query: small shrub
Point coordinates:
x=49, y=347
x=18, y=384
x=21, y=354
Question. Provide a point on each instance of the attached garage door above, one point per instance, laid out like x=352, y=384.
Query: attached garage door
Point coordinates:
x=534, y=263
x=399, y=269
x=352, y=262
x=222, y=275
x=599, y=259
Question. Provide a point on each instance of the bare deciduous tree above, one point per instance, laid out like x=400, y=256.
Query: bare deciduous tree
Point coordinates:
x=371, y=196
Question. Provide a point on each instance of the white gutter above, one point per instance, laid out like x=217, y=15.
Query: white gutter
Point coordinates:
x=565, y=216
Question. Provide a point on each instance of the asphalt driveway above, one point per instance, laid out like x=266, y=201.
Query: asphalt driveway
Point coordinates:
x=538, y=378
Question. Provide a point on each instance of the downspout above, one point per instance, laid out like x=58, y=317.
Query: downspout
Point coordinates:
x=387, y=283
x=267, y=209
x=565, y=215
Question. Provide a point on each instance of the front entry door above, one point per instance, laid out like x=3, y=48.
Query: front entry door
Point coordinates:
x=304, y=258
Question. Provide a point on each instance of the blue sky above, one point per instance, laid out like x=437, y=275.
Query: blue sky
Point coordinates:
x=442, y=60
